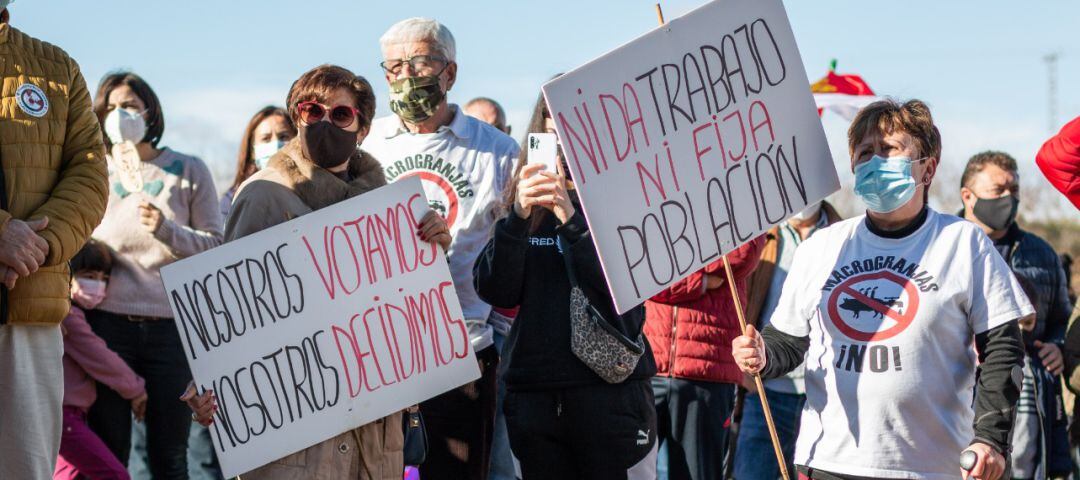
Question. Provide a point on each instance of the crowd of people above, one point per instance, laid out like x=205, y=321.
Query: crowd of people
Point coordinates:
x=971, y=350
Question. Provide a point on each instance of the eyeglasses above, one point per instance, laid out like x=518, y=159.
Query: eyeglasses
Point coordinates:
x=342, y=116
x=419, y=63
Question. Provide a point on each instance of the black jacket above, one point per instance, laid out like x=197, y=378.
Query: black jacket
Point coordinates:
x=1032, y=258
x=519, y=268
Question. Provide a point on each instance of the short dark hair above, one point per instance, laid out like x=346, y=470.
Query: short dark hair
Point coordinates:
x=155, y=119
x=93, y=257
x=980, y=160
x=319, y=83
x=888, y=116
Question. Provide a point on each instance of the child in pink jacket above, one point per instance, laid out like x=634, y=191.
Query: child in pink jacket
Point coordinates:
x=87, y=361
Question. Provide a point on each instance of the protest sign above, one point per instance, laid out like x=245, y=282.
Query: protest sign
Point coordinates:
x=690, y=141
x=319, y=325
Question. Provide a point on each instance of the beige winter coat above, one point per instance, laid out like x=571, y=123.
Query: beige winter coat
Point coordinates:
x=291, y=186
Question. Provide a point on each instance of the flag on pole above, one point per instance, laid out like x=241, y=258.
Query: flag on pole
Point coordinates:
x=843, y=95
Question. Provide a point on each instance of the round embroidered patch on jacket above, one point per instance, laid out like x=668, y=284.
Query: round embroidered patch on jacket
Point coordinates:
x=32, y=100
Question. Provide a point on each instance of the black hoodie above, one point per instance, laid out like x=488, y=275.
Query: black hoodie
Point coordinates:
x=519, y=268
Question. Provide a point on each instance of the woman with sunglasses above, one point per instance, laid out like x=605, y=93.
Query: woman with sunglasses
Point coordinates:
x=162, y=208
x=332, y=108
x=267, y=132
x=564, y=420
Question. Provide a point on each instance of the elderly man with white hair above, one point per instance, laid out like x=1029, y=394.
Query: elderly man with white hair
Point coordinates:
x=465, y=166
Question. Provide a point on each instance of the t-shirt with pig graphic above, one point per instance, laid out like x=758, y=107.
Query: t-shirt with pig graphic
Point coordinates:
x=891, y=367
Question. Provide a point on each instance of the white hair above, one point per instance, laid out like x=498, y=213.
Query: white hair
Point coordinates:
x=419, y=29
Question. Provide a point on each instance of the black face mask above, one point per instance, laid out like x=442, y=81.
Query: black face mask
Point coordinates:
x=327, y=145
x=996, y=213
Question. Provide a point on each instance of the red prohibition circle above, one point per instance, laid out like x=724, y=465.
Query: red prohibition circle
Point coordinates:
x=902, y=321
x=451, y=195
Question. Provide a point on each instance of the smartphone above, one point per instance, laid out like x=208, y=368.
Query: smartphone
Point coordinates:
x=543, y=148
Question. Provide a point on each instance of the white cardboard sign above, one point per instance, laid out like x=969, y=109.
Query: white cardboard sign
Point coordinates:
x=320, y=325
x=690, y=141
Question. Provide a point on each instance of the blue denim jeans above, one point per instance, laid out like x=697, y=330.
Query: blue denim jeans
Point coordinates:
x=754, y=457
x=502, y=459
x=201, y=460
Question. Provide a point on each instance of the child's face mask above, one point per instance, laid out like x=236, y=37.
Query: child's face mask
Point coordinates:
x=88, y=293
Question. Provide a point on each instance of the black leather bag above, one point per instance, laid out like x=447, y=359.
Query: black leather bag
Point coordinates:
x=416, y=441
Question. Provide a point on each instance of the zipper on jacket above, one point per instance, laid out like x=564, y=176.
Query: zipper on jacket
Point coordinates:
x=558, y=404
x=4, y=300
x=674, y=340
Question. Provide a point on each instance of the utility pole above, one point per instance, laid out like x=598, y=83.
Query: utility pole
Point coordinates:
x=1051, y=71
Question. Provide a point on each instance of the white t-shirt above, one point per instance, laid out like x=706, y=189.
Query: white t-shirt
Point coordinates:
x=891, y=367
x=465, y=168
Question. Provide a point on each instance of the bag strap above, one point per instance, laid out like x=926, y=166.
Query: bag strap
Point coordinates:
x=564, y=248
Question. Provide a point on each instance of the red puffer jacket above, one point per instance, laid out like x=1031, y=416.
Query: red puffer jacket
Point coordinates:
x=1059, y=160
x=691, y=328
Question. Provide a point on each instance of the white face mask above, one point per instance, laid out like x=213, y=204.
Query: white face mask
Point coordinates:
x=125, y=125
x=88, y=293
x=263, y=152
x=807, y=213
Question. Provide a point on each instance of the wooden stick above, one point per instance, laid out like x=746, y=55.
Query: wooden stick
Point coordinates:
x=742, y=326
x=757, y=377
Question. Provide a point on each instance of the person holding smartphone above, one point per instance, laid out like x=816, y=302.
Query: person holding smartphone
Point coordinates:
x=564, y=421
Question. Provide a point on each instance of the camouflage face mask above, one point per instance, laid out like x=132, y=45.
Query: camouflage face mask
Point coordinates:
x=415, y=99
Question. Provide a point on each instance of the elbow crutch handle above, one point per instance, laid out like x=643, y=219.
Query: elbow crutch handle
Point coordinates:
x=968, y=459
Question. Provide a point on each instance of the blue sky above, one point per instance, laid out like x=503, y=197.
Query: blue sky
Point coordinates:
x=214, y=63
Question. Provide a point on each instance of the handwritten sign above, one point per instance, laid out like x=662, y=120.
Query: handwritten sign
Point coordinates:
x=320, y=325
x=690, y=141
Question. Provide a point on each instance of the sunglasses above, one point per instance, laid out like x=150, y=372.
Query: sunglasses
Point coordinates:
x=342, y=116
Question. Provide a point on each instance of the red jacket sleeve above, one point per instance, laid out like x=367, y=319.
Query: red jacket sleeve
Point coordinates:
x=103, y=365
x=1059, y=160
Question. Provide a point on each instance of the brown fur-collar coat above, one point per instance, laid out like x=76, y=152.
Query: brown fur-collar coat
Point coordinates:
x=291, y=186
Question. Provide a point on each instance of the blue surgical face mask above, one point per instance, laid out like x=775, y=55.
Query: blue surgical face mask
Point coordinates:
x=263, y=152
x=885, y=184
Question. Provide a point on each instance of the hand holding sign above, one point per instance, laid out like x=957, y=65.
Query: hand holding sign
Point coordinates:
x=319, y=325
x=748, y=350
x=432, y=228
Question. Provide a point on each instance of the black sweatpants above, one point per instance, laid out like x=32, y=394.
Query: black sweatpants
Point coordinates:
x=693, y=418
x=460, y=424
x=594, y=432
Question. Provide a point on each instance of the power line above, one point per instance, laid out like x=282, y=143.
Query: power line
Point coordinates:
x=1051, y=61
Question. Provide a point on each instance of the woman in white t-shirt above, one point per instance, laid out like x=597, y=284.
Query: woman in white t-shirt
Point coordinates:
x=886, y=309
